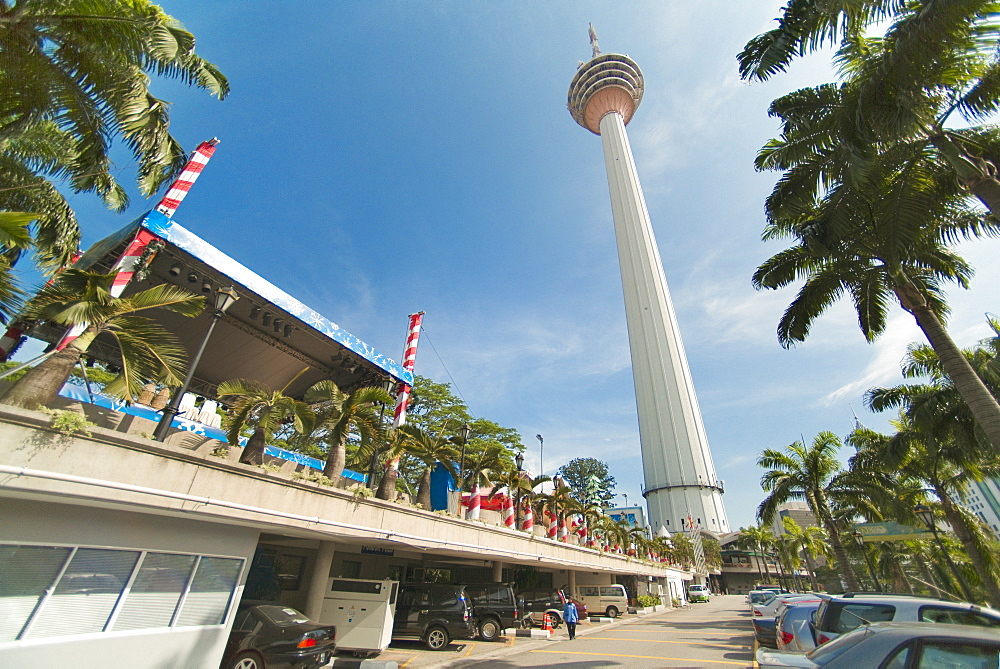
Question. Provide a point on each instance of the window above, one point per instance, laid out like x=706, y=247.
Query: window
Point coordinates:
x=26, y=572
x=153, y=597
x=853, y=615
x=208, y=599
x=613, y=591
x=587, y=591
x=86, y=594
x=968, y=655
x=350, y=569
x=940, y=614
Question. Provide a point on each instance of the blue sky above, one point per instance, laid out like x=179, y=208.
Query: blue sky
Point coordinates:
x=381, y=158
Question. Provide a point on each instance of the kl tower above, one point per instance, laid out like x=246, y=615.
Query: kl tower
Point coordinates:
x=681, y=488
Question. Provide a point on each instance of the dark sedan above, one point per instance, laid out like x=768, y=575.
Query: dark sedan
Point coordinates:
x=267, y=636
x=764, y=632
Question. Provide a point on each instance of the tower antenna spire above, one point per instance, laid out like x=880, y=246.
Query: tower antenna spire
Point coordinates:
x=593, y=40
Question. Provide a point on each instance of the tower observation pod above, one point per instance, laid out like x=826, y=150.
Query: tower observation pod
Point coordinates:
x=681, y=488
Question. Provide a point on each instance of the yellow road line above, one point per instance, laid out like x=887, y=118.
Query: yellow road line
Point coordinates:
x=634, y=628
x=471, y=646
x=645, y=657
x=685, y=643
x=408, y=661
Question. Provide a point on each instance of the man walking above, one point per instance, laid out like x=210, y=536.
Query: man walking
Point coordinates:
x=570, y=617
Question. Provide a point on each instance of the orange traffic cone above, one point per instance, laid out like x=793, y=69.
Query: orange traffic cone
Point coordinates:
x=546, y=622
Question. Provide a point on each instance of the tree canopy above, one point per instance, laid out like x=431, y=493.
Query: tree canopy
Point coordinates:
x=590, y=480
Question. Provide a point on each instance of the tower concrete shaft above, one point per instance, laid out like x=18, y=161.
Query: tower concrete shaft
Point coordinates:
x=681, y=486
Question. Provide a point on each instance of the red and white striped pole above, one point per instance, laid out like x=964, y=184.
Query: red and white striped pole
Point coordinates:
x=508, y=510
x=126, y=265
x=182, y=184
x=562, y=530
x=474, y=503
x=409, y=359
x=12, y=337
x=528, y=523
x=552, y=529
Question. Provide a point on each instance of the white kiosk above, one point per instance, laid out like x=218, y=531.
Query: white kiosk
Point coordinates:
x=363, y=612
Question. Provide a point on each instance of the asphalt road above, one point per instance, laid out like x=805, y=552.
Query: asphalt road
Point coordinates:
x=717, y=634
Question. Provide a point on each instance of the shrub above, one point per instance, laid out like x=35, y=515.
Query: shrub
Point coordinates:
x=648, y=600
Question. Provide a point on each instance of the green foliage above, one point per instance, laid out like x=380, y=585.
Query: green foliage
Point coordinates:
x=590, y=480
x=648, y=600
x=69, y=422
x=712, y=551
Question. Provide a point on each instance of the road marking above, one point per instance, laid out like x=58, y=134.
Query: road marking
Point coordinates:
x=471, y=646
x=686, y=643
x=660, y=630
x=644, y=657
x=408, y=661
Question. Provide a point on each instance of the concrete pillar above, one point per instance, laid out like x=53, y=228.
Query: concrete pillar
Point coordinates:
x=318, y=579
x=497, y=574
x=571, y=580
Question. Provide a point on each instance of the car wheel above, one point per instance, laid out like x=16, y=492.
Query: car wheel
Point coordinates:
x=246, y=660
x=437, y=638
x=490, y=629
x=612, y=612
x=555, y=620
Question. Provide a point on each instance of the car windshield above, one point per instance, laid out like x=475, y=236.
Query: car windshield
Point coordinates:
x=829, y=651
x=283, y=615
x=760, y=597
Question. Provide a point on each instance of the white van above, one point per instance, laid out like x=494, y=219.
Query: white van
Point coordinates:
x=611, y=599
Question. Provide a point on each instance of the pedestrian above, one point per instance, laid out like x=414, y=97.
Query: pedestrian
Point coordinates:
x=570, y=617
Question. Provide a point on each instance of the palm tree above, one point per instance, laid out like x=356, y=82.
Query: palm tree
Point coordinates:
x=881, y=241
x=757, y=538
x=85, y=65
x=14, y=236
x=811, y=473
x=255, y=405
x=811, y=542
x=481, y=466
x=146, y=351
x=340, y=415
x=429, y=450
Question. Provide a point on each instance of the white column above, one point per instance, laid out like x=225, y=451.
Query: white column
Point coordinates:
x=318, y=580
x=675, y=449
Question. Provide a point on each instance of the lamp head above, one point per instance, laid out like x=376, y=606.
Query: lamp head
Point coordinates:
x=224, y=298
x=925, y=514
x=466, y=431
x=519, y=461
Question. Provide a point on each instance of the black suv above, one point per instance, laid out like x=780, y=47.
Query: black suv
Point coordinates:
x=493, y=607
x=435, y=613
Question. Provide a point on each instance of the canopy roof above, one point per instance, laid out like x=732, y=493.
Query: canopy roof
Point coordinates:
x=267, y=335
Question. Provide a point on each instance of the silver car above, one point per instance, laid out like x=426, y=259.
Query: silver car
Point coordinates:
x=891, y=645
x=792, y=628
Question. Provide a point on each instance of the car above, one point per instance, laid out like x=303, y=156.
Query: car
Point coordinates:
x=763, y=632
x=792, y=630
x=842, y=613
x=698, y=593
x=769, y=607
x=434, y=613
x=890, y=645
x=534, y=604
x=267, y=635
x=757, y=597
x=610, y=599
x=494, y=608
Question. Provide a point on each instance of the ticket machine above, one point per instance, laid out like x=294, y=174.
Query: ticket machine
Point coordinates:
x=363, y=612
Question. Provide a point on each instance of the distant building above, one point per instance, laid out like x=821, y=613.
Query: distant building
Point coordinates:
x=984, y=501
x=797, y=511
x=635, y=515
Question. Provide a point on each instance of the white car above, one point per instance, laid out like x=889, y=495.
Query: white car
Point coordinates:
x=769, y=607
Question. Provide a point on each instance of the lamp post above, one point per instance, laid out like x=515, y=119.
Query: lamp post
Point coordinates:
x=860, y=538
x=224, y=298
x=625, y=495
x=465, y=431
x=926, y=515
x=541, y=450
x=519, y=461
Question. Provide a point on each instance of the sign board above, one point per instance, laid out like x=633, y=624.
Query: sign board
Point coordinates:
x=890, y=531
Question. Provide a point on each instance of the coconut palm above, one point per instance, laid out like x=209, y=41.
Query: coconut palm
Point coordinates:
x=880, y=241
x=86, y=65
x=255, y=405
x=144, y=349
x=429, y=449
x=811, y=473
x=757, y=538
x=810, y=541
x=340, y=415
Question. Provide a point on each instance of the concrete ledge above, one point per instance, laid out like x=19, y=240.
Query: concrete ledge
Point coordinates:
x=602, y=619
x=533, y=633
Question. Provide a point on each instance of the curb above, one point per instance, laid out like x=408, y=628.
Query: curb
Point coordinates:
x=353, y=662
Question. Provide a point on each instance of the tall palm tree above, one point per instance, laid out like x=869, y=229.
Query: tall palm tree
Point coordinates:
x=811, y=473
x=482, y=464
x=340, y=415
x=811, y=542
x=86, y=65
x=146, y=351
x=255, y=405
x=429, y=450
x=757, y=538
x=880, y=241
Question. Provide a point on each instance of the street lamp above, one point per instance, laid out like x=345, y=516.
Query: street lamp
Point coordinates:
x=625, y=495
x=860, y=538
x=926, y=515
x=224, y=298
x=541, y=450
x=519, y=461
x=465, y=431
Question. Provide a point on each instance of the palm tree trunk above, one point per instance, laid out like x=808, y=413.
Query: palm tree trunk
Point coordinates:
x=973, y=172
x=387, y=486
x=767, y=571
x=424, y=490
x=839, y=552
x=811, y=565
x=982, y=404
x=253, y=453
x=964, y=534
x=335, y=460
x=41, y=385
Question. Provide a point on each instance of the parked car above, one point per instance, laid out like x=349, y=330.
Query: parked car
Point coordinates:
x=792, y=630
x=896, y=645
x=494, y=609
x=698, y=593
x=843, y=613
x=267, y=635
x=435, y=613
x=769, y=607
x=763, y=632
x=534, y=604
x=609, y=599
x=757, y=597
